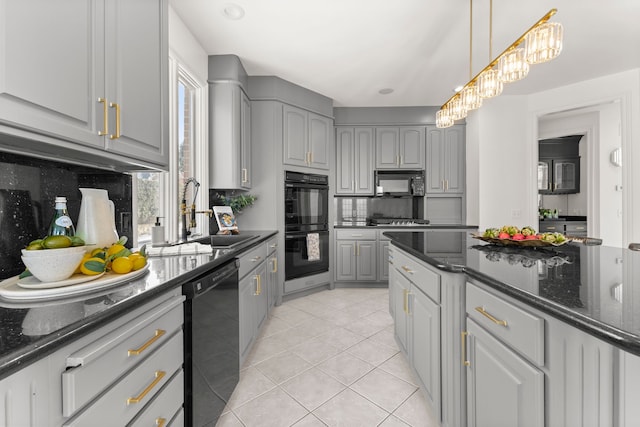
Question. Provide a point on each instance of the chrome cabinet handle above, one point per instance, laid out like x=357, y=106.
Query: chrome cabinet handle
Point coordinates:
x=482, y=311
x=158, y=334
x=159, y=375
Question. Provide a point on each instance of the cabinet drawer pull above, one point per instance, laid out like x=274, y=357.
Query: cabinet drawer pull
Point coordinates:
x=159, y=376
x=156, y=336
x=463, y=338
x=490, y=317
x=274, y=264
x=580, y=228
x=356, y=235
x=406, y=301
x=551, y=228
x=256, y=258
x=117, y=107
x=160, y=422
x=407, y=269
x=105, y=119
x=244, y=175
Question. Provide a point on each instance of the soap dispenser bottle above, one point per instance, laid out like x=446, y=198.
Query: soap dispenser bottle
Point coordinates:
x=157, y=233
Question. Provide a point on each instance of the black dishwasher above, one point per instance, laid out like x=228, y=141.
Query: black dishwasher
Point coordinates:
x=211, y=344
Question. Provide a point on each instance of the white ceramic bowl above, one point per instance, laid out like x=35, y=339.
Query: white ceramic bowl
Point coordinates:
x=50, y=265
x=54, y=252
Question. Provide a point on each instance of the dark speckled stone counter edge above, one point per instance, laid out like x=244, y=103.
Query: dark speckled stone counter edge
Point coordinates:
x=619, y=338
x=408, y=227
x=12, y=362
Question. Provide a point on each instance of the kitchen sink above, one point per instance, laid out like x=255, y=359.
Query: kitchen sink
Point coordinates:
x=226, y=241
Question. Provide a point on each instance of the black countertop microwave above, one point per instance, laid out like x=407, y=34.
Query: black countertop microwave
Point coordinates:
x=400, y=183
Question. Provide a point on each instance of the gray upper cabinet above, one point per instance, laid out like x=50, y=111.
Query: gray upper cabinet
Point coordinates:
x=96, y=75
x=354, y=161
x=230, y=136
x=307, y=138
x=445, y=160
x=400, y=148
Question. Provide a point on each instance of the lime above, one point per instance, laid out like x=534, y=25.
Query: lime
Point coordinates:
x=56, y=242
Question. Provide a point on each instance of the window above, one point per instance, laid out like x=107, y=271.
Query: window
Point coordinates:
x=159, y=194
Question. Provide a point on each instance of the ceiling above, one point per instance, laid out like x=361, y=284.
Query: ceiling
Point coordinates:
x=348, y=50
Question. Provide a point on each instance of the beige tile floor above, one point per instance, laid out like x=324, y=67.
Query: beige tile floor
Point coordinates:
x=328, y=359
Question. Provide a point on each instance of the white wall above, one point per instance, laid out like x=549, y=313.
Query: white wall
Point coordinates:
x=499, y=165
x=184, y=47
x=503, y=136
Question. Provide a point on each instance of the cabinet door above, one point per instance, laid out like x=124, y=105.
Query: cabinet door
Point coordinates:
x=345, y=260
x=383, y=261
x=566, y=176
x=399, y=286
x=502, y=388
x=544, y=176
x=52, y=68
x=247, y=310
x=320, y=140
x=245, y=141
x=260, y=294
x=411, y=147
x=425, y=344
x=25, y=397
x=454, y=160
x=387, y=148
x=435, y=164
x=345, y=173
x=366, y=261
x=136, y=60
x=295, y=137
x=363, y=161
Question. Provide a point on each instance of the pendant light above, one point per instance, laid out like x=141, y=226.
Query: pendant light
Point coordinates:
x=489, y=85
x=443, y=118
x=512, y=66
x=543, y=43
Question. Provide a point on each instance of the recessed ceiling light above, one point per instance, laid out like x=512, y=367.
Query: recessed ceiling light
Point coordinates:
x=385, y=91
x=458, y=89
x=233, y=11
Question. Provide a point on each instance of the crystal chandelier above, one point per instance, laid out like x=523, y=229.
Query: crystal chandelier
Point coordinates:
x=542, y=43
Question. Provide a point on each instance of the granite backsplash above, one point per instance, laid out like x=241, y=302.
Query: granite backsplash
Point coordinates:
x=28, y=188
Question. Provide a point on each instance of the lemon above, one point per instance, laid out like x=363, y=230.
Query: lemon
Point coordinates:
x=92, y=266
x=116, y=250
x=122, y=265
x=139, y=262
x=99, y=253
x=84, y=258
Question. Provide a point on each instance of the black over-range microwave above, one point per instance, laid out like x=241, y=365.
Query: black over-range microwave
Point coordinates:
x=400, y=183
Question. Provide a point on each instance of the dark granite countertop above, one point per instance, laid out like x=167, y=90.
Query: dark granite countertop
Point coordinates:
x=360, y=224
x=593, y=288
x=31, y=330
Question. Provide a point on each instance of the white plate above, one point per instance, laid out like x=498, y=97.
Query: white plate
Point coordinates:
x=32, y=283
x=9, y=289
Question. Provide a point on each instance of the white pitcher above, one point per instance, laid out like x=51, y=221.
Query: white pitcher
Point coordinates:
x=96, y=222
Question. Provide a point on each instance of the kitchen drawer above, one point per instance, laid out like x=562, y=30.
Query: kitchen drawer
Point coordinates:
x=121, y=402
x=272, y=245
x=164, y=406
x=252, y=259
x=576, y=228
x=178, y=419
x=415, y=270
x=95, y=366
x=519, y=329
x=355, y=234
x=552, y=226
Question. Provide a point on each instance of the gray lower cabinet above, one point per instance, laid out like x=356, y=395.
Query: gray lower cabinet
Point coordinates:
x=253, y=294
x=307, y=138
x=356, y=255
x=128, y=370
x=417, y=321
x=503, y=389
x=230, y=136
x=355, y=154
x=569, y=228
x=111, y=93
x=400, y=147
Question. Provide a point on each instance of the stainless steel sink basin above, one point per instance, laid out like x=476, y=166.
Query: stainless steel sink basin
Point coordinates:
x=226, y=241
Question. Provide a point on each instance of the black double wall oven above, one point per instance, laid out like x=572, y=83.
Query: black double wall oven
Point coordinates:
x=306, y=224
